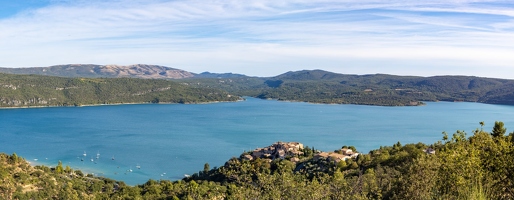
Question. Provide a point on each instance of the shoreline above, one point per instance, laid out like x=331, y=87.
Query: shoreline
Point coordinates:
x=85, y=171
x=116, y=104
x=420, y=103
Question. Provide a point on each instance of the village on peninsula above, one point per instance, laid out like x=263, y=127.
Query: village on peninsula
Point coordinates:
x=292, y=151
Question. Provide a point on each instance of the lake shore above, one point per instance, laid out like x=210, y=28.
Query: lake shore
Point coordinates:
x=115, y=104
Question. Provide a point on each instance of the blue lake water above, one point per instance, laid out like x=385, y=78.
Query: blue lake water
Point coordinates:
x=170, y=140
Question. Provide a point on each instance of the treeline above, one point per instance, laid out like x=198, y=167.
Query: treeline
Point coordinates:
x=458, y=167
x=35, y=90
x=316, y=86
x=319, y=86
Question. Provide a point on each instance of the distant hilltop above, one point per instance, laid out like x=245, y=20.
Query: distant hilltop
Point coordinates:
x=114, y=71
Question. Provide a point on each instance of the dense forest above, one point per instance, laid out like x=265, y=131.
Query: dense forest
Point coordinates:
x=460, y=166
x=318, y=86
x=36, y=90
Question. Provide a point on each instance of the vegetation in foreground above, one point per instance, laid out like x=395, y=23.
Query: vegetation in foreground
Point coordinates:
x=458, y=167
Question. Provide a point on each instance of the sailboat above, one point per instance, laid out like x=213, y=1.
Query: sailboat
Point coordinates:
x=112, y=158
x=84, y=154
x=98, y=155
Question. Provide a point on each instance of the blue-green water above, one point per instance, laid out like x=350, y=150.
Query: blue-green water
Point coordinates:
x=170, y=140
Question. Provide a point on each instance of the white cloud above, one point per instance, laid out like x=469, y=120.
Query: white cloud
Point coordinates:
x=261, y=37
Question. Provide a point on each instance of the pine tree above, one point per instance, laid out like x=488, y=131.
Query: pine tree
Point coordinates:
x=206, y=168
x=498, y=129
x=59, y=168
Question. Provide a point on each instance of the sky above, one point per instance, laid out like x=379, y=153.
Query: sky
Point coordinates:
x=265, y=37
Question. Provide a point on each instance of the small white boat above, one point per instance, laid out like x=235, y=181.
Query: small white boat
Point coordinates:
x=138, y=167
x=84, y=154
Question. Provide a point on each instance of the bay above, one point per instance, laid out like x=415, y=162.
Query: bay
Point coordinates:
x=167, y=141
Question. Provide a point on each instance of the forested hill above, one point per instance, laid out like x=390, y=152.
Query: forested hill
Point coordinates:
x=35, y=90
x=316, y=86
x=457, y=167
x=320, y=86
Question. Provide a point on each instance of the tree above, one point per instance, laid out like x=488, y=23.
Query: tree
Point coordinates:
x=59, y=168
x=206, y=168
x=498, y=129
x=353, y=148
x=14, y=158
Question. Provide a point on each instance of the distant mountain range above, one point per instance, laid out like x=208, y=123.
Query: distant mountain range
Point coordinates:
x=114, y=71
x=316, y=86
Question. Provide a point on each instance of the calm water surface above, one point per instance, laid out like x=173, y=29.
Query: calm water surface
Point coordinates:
x=170, y=140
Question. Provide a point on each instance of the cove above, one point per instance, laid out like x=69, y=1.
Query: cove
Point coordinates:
x=166, y=141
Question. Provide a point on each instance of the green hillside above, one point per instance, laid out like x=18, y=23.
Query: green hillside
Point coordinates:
x=318, y=86
x=35, y=90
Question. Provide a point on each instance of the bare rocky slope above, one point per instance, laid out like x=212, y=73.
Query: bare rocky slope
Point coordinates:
x=106, y=71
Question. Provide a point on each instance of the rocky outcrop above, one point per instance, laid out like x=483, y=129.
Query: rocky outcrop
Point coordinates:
x=28, y=102
x=107, y=71
x=144, y=71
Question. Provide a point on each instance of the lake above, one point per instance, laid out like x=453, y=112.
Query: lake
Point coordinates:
x=167, y=141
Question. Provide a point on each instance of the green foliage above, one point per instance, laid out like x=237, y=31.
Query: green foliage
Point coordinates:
x=59, y=168
x=206, y=167
x=34, y=90
x=319, y=86
x=498, y=129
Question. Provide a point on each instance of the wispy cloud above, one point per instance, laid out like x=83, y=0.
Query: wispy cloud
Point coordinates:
x=264, y=37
